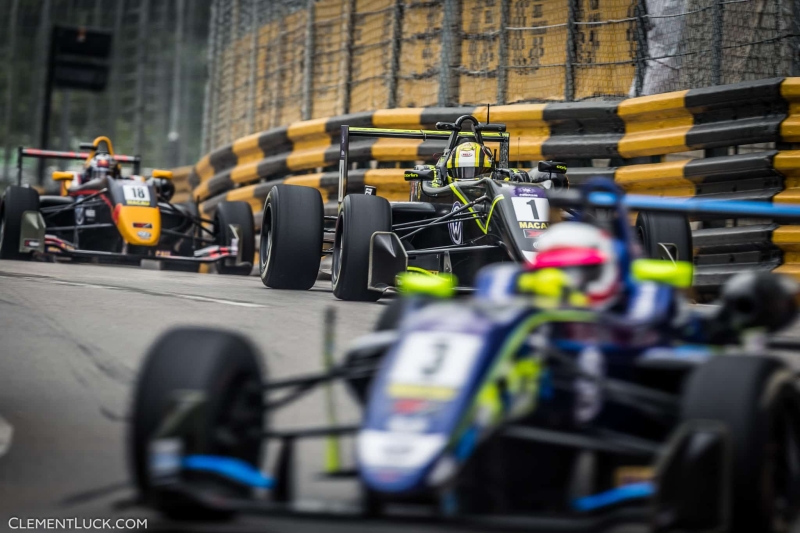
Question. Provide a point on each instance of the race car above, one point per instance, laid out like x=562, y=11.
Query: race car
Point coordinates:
x=102, y=214
x=468, y=210
x=545, y=402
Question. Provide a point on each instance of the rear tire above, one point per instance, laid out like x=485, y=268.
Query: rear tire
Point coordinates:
x=361, y=216
x=673, y=231
x=237, y=214
x=755, y=397
x=224, y=367
x=291, y=237
x=15, y=202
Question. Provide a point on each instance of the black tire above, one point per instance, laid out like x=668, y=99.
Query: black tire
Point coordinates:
x=673, y=231
x=223, y=366
x=757, y=400
x=16, y=201
x=237, y=214
x=291, y=237
x=361, y=216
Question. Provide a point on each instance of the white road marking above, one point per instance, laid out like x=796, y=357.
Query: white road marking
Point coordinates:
x=144, y=291
x=6, y=436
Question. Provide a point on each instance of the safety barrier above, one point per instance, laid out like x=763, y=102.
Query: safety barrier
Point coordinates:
x=632, y=134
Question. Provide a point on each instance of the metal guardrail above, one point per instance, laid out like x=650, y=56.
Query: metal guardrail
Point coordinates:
x=631, y=134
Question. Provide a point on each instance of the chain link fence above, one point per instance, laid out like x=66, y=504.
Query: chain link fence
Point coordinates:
x=154, y=97
x=274, y=62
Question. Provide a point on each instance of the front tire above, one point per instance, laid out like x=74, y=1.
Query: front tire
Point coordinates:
x=291, y=237
x=665, y=236
x=757, y=399
x=16, y=201
x=361, y=216
x=236, y=214
x=225, y=368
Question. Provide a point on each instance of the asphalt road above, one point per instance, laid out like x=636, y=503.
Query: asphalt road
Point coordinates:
x=71, y=340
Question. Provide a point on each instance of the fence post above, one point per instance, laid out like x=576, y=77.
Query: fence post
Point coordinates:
x=251, y=80
x=794, y=44
x=346, y=66
x=308, y=57
x=448, y=43
x=209, y=99
x=10, y=81
x=173, y=135
x=716, y=43
x=502, y=53
x=397, y=28
x=569, y=66
x=141, y=69
x=640, y=12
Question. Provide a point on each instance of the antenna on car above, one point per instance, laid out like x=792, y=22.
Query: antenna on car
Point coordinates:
x=518, y=149
x=488, y=110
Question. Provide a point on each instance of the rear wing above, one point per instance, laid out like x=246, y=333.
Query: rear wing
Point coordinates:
x=35, y=153
x=423, y=135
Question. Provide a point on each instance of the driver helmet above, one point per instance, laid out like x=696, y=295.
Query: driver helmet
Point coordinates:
x=586, y=255
x=469, y=160
x=100, y=166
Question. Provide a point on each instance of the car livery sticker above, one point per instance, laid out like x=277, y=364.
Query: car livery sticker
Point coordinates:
x=456, y=229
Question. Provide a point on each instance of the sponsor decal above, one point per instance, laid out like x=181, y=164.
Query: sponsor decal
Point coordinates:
x=31, y=243
x=370, y=190
x=456, y=229
x=532, y=233
x=588, y=391
x=533, y=225
x=528, y=192
x=407, y=406
x=163, y=253
x=143, y=234
x=144, y=225
x=408, y=424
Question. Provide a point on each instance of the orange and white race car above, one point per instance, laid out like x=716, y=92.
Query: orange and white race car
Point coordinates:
x=104, y=214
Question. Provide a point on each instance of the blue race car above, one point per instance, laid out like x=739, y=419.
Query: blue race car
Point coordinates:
x=580, y=391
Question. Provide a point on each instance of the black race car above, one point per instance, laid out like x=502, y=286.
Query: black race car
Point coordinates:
x=102, y=214
x=468, y=210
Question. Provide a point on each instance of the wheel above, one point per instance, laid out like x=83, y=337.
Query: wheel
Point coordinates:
x=237, y=214
x=665, y=236
x=361, y=216
x=756, y=398
x=16, y=201
x=291, y=237
x=226, y=369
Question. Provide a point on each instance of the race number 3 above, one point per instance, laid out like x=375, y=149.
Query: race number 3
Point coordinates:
x=435, y=359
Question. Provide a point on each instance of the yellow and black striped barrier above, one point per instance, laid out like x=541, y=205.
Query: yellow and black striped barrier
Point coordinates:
x=755, y=112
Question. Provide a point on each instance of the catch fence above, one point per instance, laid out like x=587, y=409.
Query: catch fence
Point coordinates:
x=276, y=62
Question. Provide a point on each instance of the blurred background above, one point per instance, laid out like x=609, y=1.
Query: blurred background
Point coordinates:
x=189, y=76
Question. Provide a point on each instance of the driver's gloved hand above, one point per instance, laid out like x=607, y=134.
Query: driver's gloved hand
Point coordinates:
x=511, y=174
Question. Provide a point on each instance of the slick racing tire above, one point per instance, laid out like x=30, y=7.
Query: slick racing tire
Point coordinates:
x=15, y=202
x=757, y=399
x=237, y=214
x=291, y=237
x=665, y=236
x=225, y=369
x=361, y=216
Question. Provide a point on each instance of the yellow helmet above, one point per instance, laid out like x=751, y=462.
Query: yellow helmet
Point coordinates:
x=469, y=160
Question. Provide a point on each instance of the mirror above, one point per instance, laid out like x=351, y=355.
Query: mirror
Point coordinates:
x=426, y=174
x=552, y=166
x=59, y=175
x=678, y=274
x=166, y=174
